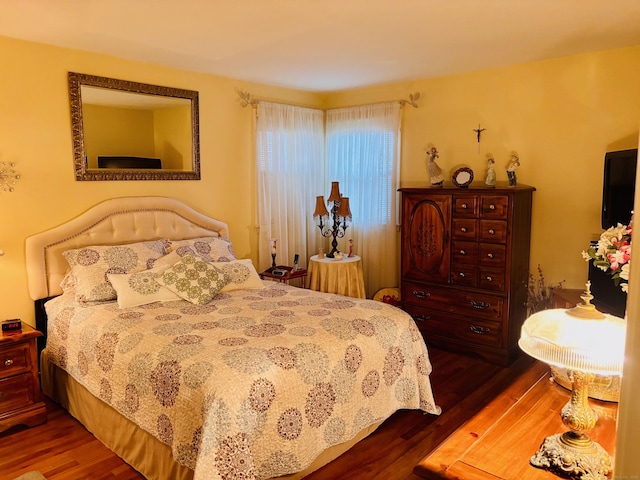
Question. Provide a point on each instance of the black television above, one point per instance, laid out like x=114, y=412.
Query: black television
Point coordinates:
x=618, y=187
x=121, y=161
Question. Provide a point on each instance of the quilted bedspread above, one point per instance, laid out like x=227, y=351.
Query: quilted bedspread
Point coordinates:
x=254, y=384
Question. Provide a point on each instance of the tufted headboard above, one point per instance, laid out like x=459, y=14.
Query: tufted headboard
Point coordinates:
x=112, y=222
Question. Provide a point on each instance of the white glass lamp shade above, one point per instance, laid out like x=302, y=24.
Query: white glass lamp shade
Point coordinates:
x=563, y=339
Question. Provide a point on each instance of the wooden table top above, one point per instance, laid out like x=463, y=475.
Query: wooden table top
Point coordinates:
x=498, y=442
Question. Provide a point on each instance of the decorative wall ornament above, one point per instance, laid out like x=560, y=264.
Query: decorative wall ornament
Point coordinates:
x=8, y=176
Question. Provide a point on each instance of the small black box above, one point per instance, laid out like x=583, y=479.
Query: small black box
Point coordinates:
x=11, y=325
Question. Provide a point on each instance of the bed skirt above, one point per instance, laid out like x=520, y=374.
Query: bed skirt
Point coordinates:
x=138, y=448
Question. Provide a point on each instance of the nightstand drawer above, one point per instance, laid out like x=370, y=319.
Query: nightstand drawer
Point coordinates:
x=493, y=231
x=494, y=206
x=15, y=392
x=465, y=229
x=465, y=252
x=14, y=359
x=465, y=205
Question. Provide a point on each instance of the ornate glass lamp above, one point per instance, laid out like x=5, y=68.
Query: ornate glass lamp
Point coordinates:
x=340, y=214
x=587, y=343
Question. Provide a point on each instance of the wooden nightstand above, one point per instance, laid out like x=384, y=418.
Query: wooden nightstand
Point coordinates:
x=291, y=275
x=20, y=398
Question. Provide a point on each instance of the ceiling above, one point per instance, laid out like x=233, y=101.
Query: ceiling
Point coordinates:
x=327, y=45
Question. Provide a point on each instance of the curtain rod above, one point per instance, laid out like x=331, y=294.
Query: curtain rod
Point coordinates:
x=246, y=99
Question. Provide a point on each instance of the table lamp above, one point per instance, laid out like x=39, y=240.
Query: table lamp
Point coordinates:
x=587, y=343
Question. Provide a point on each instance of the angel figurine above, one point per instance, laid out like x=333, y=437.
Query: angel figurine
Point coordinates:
x=435, y=172
x=490, y=179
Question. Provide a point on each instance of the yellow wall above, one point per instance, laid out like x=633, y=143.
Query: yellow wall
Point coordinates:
x=35, y=133
x=560, y=116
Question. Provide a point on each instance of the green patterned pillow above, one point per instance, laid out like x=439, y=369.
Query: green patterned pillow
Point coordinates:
x=194, y=280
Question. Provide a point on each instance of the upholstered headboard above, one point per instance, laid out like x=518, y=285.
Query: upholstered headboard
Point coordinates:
x=112, y=222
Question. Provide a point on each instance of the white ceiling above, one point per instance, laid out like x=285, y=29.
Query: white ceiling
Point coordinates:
x=327, y=45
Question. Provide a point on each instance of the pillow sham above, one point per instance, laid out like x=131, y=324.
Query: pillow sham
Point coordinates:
x=141, y=288
x=194, y=279
x=91, y=265
x=242, y=275
x=211, y=249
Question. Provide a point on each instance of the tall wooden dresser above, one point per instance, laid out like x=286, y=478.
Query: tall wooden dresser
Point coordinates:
x=465, y=266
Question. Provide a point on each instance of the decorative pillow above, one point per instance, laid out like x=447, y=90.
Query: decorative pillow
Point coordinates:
x=242, y=275
x=141, y=288
x=90, y=266
x=194, y=279
x=211, y=249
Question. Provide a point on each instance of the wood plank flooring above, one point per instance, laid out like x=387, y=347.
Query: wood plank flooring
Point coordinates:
x=63, y=450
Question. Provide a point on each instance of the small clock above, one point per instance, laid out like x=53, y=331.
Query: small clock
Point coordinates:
x=12, y=325
x=462, y=177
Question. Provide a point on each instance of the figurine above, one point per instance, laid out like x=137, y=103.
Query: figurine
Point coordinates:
x=437, y=179
x=321, y=253
x=511, y=169
x=350, y=248
x=490, y=179
x=337, y=256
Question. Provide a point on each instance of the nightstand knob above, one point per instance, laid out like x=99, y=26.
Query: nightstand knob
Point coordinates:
x=492, y=207
x=464, y=205
x=463, y=229
x=462, y=252
x=8, y=362
x=461, y=274
x=490, y=255
x=490, y=279
x=492, y=231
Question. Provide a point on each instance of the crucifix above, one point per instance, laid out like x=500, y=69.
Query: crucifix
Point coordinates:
x=478, y=133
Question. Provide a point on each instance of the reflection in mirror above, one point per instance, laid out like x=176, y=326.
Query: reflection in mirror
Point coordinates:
x=133, y=131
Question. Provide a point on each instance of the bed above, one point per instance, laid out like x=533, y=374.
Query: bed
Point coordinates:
x=232, y=377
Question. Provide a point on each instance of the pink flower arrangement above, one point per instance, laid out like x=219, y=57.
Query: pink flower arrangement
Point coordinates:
x=612, y=254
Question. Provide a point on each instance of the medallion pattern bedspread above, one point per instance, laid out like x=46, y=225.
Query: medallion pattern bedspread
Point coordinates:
x=254, y=384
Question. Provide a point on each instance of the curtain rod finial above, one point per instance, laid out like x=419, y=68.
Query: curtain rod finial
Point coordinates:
x=245, y=98
x=413, y=100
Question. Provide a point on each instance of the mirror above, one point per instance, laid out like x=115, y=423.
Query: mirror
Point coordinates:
x=133, y=131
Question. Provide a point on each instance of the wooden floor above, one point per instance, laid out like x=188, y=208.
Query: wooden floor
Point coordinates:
x=62, y=449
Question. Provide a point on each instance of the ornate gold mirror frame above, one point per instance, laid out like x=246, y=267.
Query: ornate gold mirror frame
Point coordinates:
x=116, y=93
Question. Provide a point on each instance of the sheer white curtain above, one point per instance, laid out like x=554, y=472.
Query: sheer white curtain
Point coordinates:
x=290, y=157
x=363, y=154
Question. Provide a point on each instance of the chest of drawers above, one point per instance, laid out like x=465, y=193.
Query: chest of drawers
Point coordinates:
x=465, y=266
x=20, y=398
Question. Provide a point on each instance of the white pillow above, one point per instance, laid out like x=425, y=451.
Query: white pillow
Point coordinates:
x=242, y=275
x=193, y=279
x=211, y=249
x=141, y=288
x=91, y=265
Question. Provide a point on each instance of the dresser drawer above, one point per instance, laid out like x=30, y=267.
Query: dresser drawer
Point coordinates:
x=491, y=279
x=494, y=206
x=472, y=304
x=492, y=255
x=465, y=229
x=14, y=359
x=464, y=252
x=436, y=324
x=465, y=205
x=493, y=231
x=15, y=392
x=464, y=275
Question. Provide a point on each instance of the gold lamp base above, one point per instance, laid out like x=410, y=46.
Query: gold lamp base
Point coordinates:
x=573, y=455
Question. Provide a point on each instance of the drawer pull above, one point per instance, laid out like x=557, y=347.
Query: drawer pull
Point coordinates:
x=8, y=362
x=479, y=330
x=489, y=279
x=462, y=252
x=463, y=229
x=461, y=274
x=490, y=255
x=464, y=205
x=492, y=207
x=422, y=318
x=479, y=305
x=492, y=231
x=420, y=294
